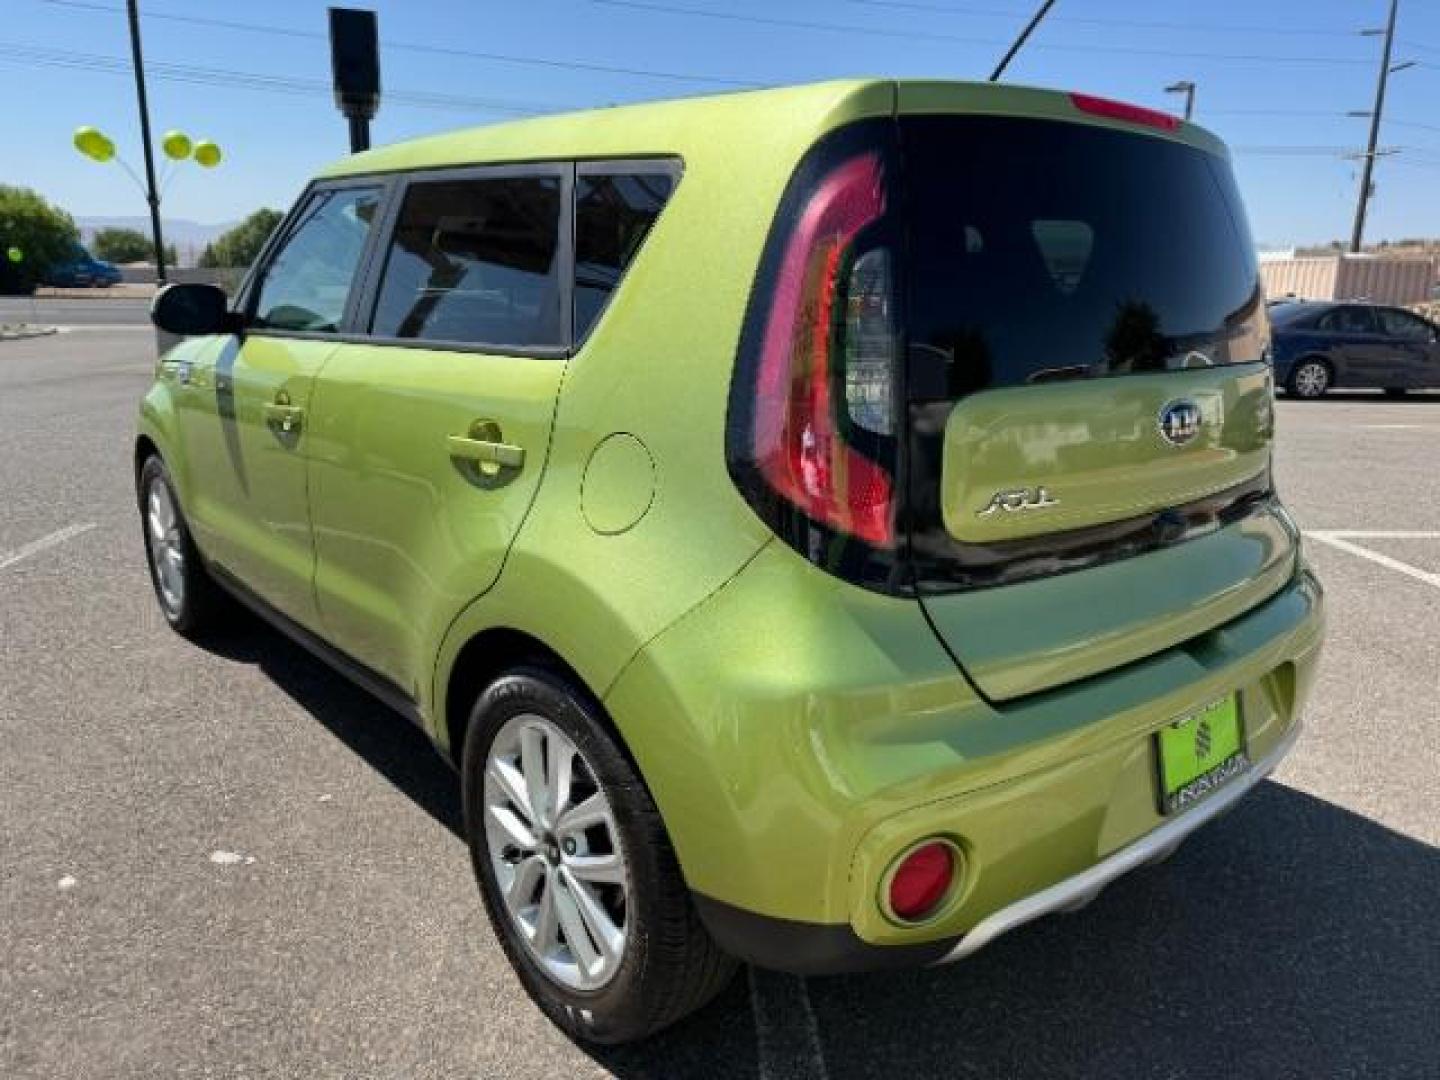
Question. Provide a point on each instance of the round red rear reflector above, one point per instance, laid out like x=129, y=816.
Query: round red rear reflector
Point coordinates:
x=921, y=880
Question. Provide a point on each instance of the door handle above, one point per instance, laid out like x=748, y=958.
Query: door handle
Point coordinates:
x=501, y=455
x=287, y=418
x=485, y=448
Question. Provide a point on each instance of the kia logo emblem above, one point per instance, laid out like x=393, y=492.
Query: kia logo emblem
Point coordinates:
x=1180, y=421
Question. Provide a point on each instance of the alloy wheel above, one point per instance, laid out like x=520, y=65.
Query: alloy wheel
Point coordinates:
x=167, y=545
x=555, y=853
x=1311, y=379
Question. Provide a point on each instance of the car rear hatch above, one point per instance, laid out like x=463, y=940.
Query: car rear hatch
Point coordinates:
x=1089, y=394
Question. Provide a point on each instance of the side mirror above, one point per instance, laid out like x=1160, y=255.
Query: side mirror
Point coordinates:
x=191, y=310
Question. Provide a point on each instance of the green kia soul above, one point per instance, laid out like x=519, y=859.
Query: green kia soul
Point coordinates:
x=826, y=527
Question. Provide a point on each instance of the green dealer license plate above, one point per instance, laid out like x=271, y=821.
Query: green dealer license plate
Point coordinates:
x=1200, y=752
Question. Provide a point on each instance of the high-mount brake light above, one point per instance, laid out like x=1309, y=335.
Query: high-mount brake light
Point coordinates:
x=798, y=446
x=1120, y=110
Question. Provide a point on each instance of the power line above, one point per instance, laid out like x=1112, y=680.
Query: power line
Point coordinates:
x=1076, y=20
x=414, y=47
x=39, y=56
x=919, y=35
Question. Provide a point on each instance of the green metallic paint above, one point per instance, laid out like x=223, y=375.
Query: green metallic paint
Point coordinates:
x=921, y=96
x=248, y=509
x=797, y=732
x=406, y=534
x=618, y=486
x=1023, y=638
x=1096, y=448
x=820, y=756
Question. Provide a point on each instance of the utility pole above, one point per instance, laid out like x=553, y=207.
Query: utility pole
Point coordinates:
x=1186, y=87
x=1043, y=10
x=1368, y=167
x=152, y=194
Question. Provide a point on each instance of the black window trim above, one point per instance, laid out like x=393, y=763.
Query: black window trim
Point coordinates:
x=392, y=186
x=673, y=167
x=565, y=252
x=248, y=295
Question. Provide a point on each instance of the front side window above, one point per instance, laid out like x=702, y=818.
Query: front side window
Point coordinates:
x=475, y=261
x=1403, y=325
x=613, y=215
x=307, y=284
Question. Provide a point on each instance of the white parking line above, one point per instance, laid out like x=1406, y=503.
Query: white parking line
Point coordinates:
x=1344, y=540
x=59, y=536
x=1375, y=534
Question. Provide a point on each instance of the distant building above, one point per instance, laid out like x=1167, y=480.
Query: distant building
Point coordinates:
x=1381, y=279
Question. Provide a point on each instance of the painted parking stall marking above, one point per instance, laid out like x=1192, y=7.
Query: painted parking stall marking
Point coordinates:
x=1345, y=540
x=35, y=547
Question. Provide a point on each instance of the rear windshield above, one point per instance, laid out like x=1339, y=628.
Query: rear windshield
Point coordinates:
x=1042, y=250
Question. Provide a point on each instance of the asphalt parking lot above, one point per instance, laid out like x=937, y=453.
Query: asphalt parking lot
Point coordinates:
x=232, y=863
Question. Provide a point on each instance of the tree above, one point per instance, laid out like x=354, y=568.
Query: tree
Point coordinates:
x=127, y=246
x=240, y=246
x=44, y=235
x=121, y=245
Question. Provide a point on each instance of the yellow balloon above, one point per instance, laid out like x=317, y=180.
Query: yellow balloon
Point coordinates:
x=207, y=154
x=93, y=144
x=176, y=145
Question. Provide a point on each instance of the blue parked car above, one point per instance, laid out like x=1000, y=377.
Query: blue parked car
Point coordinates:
x=1319, y=346
x=83, y=270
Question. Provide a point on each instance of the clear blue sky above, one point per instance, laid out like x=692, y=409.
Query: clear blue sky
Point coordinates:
x=1275, y=80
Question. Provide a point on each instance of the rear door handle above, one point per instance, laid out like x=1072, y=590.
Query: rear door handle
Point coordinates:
x=485, y=448
x=286, y=418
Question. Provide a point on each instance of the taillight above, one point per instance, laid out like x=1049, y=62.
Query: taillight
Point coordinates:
x=1120, y=110
x=821, y=389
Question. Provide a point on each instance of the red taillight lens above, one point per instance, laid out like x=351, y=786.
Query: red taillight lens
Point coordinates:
x=797, y=443
x=1120, y=110
x=922, y=880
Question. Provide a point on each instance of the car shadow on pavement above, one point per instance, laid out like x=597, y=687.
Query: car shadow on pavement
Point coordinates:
x=393, y=746
x=1290, y=938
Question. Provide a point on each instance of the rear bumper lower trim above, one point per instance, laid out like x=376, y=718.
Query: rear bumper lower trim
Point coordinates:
x=1076, y=891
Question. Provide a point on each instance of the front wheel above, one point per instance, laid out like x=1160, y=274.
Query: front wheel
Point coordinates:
x=1310, y=379
x=575, y=868
x=189, y=599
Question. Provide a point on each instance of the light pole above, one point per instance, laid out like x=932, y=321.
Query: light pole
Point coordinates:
x=1186, y=87
x=152, y=194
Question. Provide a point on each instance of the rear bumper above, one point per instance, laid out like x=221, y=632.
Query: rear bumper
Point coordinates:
x=1079, y=889
x=797, y=740
x=821, y=949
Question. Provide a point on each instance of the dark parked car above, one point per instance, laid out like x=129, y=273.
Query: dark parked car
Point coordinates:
x=83, y=270
x=1323, y=346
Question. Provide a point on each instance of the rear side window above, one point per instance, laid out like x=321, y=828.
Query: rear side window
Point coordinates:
x=1403, y=325
x=613, y=214
x=1043, y=250
x=307, y=282
x=475, y=261
x=1348, y=320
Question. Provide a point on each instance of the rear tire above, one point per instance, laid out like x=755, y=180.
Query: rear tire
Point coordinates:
x=1309, y=379
x=189, y=599
x=614, y=880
